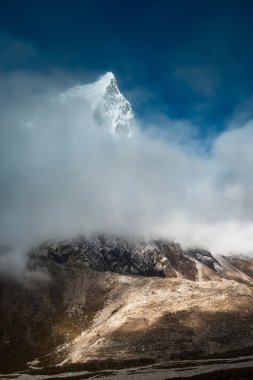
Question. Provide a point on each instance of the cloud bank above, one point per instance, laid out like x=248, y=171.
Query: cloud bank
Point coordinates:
x=61, y=176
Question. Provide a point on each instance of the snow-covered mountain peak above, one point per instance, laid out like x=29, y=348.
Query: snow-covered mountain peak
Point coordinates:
x=111, y=110
x=107, y=78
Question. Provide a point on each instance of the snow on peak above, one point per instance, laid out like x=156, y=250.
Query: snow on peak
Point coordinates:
x=107, y=78
x=111, y=110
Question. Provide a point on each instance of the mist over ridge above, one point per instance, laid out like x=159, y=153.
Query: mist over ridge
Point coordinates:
x=62, y=175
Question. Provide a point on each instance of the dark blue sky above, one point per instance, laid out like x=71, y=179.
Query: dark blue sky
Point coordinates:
x=189, y=59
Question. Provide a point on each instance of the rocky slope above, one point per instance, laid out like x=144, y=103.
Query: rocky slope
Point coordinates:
x=174, y=304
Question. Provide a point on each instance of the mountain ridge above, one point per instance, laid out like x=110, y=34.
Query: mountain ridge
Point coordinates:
x=158, y=257
x=78, y=313
x=111, y=110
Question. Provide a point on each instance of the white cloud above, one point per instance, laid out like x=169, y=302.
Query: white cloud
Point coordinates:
x=60, y=176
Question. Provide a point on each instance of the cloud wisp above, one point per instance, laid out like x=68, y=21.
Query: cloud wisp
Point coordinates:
x=61, y=176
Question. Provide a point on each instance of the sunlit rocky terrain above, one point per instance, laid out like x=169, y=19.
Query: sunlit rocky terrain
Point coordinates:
x=106, y=301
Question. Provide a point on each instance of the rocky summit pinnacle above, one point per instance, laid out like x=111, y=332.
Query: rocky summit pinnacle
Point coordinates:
x=110, y=109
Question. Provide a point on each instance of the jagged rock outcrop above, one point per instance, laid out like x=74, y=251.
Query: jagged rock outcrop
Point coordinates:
x=159, y=258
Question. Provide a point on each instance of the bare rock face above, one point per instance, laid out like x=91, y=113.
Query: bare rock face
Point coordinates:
x=109, y=253
x=159, y=258
x=242, y=264
x=205, y=257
